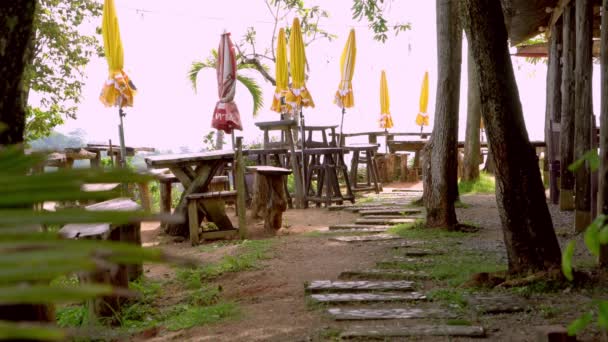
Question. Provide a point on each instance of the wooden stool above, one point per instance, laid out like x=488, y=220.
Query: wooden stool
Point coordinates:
x=275, y=198
x=264, y=157
x=213, y=206
x=326, y=164
x=364, y=154
x=107, y=306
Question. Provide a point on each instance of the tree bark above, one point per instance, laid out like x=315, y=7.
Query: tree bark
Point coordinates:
x=584, y=112
x=16, y=21
x=603, y=143
x=441, y=162
x=553, y=107
x=472, y=151
x=16, y=28
x=566, y=195
x=526, y=222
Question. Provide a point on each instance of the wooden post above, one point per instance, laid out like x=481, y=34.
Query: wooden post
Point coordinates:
x=553, y=110
x=583, y=106
x=241, y=200
x=297, y=175
x=144, y=192
x=193, y=221
x=566, y=151
x=603, y=143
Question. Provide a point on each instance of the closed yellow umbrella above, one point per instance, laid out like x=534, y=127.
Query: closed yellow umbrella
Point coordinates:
x=118, y=90
x=281, y=74
x=386, y=121
x=422, y=119
x=344, y=96
x=298, y=96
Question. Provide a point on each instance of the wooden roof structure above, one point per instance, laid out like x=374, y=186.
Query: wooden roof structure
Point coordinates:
x=527, y=18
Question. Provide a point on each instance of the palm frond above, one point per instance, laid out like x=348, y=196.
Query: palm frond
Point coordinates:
x=255, y=90
x=195, y=68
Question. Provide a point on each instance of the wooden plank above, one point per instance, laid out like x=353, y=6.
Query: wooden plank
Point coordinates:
x=92, y=187
x=355, y=226
x=372, y=274
x=566, y=150
x=193, y=223
x=556, y=14
x=212, y=195
x=385, y=221
x=383, y=332
x=392, y=217
x=317, y=286
x=497, y=303
x=367, y=238
x=219, y=234
x=169, y=160
x=390, y=211
x=345, y=314
x=269, y=170
x=343, y=298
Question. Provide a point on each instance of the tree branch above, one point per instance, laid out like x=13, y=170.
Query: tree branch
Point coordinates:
x=259, y=67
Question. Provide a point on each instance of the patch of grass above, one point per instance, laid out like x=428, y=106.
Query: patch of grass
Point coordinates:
x=187, y=316
x=417, y=230
x=451, y=297
x=457, y=267
x=249, y=253
x=538, y=287
x=457, y=321
x=216, y=245
x=205, y=296
x=483, y=185
x=72, y=316
x=548, y=311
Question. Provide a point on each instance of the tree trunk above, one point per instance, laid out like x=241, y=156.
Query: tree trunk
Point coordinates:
x=441, y=162
x=472, y=151
x=584, y=112
x=603, y=171
x=526, y=222
x=489, y=167
x=566, y=194
x=16, y=21
x=553, y=107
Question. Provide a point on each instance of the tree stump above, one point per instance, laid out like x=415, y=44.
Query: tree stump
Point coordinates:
x=269, y=196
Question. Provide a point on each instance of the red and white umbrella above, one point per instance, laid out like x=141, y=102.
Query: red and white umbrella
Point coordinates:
x=226, y=115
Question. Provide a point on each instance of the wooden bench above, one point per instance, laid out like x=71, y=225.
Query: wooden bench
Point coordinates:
x=212, y=204
x=275, y=199
x=120, y=275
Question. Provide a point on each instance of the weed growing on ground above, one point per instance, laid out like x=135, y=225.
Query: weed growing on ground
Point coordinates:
x=416, y=230
x=485, y=184
x=187, y=316
x=451, y=297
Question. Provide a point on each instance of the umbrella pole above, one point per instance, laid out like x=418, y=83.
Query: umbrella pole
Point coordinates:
x=341, y=124
x=303, y=138
x=123, y=149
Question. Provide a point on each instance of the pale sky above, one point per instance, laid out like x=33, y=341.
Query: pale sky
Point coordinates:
x=161, y=42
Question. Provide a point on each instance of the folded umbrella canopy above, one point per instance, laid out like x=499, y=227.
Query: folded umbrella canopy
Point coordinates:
x=226, y=114
x=118, y=90
x=298, y=96
x=422, y=119
x=386, y=121
x=344, y=96
x=281, y=75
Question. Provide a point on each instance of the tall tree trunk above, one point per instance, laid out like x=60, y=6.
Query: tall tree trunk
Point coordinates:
x=584, y=112
x=526, y=222
x=566, y=194
x=441, y=158
x=472, y=150
x=16, y=29
x=603, y=171
x=553, y=107
x=16, y=23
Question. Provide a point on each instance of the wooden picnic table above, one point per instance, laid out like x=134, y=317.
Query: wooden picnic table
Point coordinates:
x=195, y=172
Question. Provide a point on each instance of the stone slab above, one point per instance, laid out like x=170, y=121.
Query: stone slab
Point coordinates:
x=344, y=314
x=377, y=274
x=390, y=211
x=355, y=226
x=366, y=238
x=418, y=252
x=343, y=298
x=370, y=230
x=411, y=191
x=396, y=262
x=369, y=221
x=317, y=286
x=387, y=217
x=495, y=304
x=413, y=330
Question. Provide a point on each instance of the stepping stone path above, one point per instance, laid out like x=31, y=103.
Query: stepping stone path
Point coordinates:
x=366, y=238
x=358, y=298
x=356, y=286
x=387, y=294
x=341, y=314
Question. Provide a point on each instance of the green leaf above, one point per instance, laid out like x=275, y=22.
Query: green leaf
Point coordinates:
x=592, y=235
x=44, y=294
x=580, y=323
x=255, y=90
x=577, y=164
x=567, y=261
x=604, y=235
x=602, y=314
x=10, y=331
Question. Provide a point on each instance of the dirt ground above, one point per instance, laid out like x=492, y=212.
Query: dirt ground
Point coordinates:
x=272, y=300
